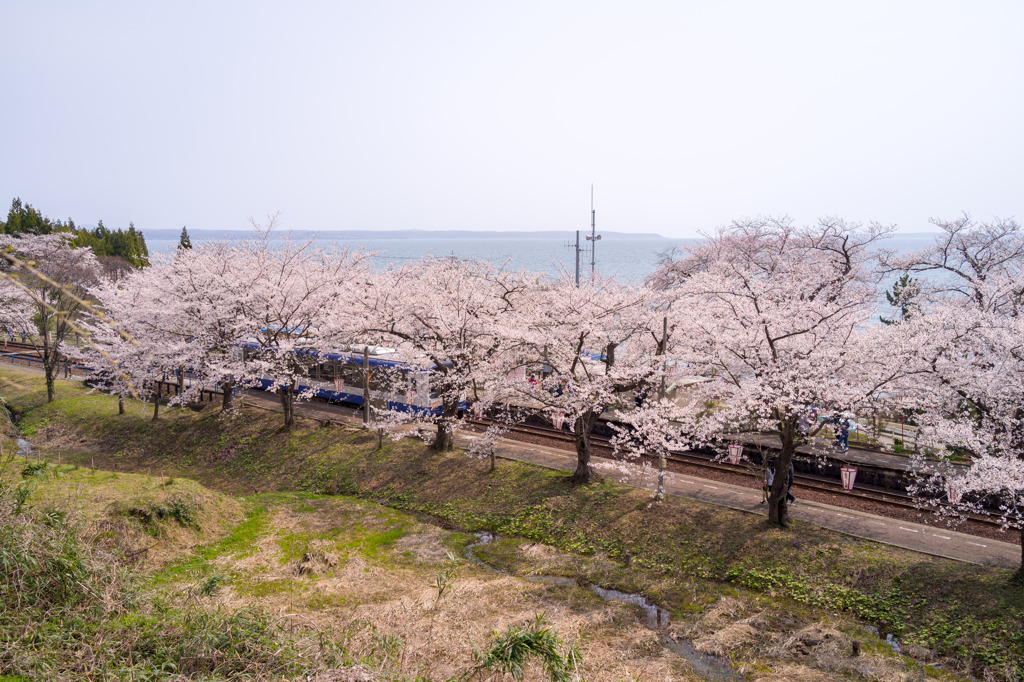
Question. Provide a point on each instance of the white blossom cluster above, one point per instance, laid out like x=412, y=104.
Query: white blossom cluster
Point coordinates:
x=764, y=326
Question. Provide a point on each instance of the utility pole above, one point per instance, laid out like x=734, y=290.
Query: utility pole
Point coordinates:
x=577, y=259
x=593, y=237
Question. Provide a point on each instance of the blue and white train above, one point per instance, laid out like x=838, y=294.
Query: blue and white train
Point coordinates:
x=338, y=376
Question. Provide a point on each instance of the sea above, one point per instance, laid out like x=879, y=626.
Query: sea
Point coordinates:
x=627, y=258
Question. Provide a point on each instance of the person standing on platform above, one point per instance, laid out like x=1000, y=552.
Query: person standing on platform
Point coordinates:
x=769, y=478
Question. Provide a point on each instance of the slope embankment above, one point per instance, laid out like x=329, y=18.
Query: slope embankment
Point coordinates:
x=713, y=569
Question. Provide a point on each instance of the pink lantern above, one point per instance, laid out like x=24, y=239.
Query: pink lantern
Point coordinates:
x=849, y=475
x=954, y=491
x=338, y=383
x=735, y=453
x=557, y=419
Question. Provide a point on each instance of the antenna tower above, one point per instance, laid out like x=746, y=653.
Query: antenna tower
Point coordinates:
x=593, y=237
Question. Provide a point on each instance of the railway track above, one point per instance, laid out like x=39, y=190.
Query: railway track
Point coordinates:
x=602, y=446
x=820, y=484
x=22, y=348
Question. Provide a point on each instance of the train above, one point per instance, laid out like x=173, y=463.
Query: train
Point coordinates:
x=338, y=376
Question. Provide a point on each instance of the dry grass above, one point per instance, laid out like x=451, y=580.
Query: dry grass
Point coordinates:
x=307, y=569
x=112, y=504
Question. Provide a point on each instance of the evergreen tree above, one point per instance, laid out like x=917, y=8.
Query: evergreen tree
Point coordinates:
x=130, y=245
x=902, y=297
x=23, y=219
x=184, y=242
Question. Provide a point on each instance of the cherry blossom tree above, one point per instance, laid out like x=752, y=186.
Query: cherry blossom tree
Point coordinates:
x=136, y=338
x=16, y=305
x=576, y=353
x=968, y=344
x=447, y=312
x=279, y=300
x=47, y=279
x=291, y=299
x=978, y=261
x=206, y=284
x=974, y=407
x=773, y=317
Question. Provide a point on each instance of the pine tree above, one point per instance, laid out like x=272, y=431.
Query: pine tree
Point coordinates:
x=23, y=219
x=902, y=296
x=184, y=242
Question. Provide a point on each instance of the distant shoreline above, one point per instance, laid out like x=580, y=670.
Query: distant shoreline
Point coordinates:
x=341, y=235
x=396, y=234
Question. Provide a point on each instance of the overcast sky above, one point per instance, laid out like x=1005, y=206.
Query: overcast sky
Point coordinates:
x=499, y=115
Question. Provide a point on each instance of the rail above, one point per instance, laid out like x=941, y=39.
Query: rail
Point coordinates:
x=817, y=483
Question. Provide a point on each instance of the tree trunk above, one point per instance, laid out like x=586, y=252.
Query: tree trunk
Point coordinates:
x=120, y=404
x=444, y=440
x=778, y=509
x=1019, y=575
x=288, y=405
x=156, y=402
x=581, y=430
x=661, y=476
x=227, y=400
x=49, y=371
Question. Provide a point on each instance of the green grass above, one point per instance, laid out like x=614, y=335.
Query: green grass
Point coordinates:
x=677, y=549
x=73, y=610
x=239, y=543
x=266, y=588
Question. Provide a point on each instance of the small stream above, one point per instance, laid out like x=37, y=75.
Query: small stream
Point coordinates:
x=656, y=617
x=24, y=447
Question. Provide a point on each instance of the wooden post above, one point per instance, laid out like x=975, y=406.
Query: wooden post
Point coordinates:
x=366, y=385
x=664, y=350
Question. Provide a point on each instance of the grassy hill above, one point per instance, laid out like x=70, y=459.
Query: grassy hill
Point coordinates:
x=779, y=604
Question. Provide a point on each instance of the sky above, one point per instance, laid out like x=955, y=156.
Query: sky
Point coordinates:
x=500, y=115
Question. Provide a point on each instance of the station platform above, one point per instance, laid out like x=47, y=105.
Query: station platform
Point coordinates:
x=854, y=455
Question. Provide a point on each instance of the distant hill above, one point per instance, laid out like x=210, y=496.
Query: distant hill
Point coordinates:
x=397, y=234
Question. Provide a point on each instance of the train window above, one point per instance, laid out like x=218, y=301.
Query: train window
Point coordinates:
x=382, y=380
x=351, y=375
x=326, y=371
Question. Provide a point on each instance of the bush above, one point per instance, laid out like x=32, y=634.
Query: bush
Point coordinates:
x=149, y=513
